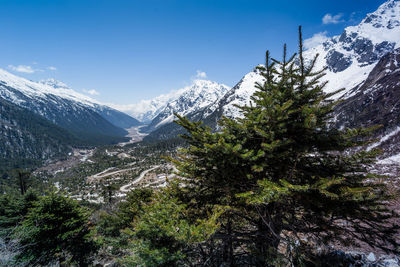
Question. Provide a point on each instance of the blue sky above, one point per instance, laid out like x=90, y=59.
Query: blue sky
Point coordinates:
x=125, y=51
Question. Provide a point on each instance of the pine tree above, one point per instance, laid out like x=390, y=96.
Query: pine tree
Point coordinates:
x=164, y=236
x=283, y=173
x=55, y=229
x=13, y=209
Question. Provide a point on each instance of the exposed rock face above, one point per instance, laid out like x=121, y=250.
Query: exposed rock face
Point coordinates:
x=376, y=102
x=341, y=258
x=201, y=94
x=351, y=56
x=337, y=61
x=356, y=61
x=360, y=49
x=210, y=114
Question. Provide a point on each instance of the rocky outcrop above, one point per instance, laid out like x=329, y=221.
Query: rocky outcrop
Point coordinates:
x=376, y=102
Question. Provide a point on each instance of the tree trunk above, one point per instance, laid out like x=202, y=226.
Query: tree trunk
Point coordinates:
x=227, y=256
x=267, y=237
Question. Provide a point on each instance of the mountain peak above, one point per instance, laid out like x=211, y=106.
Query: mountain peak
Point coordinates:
x=380, y=25
x=353, y=54
x=390, y=6
x=203, y=85
x=192, y=98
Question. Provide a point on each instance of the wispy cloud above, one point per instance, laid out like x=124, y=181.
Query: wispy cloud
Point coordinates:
x=30, y=69
x=22, y=68
x=201, y=74
x=91, y=92
x=315, y=40
x=332, y=19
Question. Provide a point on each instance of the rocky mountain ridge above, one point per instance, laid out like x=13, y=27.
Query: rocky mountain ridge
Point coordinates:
x=350, y=58
x=66, y=108
x=194, y=98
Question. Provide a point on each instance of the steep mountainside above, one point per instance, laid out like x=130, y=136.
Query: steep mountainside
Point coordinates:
x=116, y=117
x=27, y=138
x=377, y=102
x=350, y=58
x=62, y=106
x=210, y=114
x=146, y=110
x=194, y=98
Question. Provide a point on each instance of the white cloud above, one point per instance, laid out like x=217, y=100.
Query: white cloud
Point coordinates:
x=201, y=74
x=30, y=69
x=91, y=92
x=315, y=40
x=22, y=68
x=335, y=19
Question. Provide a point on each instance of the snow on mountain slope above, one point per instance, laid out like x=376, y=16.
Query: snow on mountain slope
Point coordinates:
x=240, y=94
x=29, y=94
x=148, y=109
x=376, y=103
x=87, y=119
x=40, y=90
x=351, y=56
x=193, y=98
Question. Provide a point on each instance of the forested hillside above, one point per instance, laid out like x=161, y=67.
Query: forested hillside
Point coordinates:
x=28, y=139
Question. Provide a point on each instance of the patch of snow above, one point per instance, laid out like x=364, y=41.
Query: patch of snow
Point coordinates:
x=243, y=91
x=384, y=138
x=41, y=89
x=371, y=257
x=390, y=160
x=196, y=97
x=383, y=25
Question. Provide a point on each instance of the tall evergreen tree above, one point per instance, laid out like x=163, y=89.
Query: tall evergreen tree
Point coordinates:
x=283, y=173
x=22, y=177
x=56, y=229
x=163, y=235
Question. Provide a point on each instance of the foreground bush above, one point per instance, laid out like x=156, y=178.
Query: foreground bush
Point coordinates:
x=56, y=229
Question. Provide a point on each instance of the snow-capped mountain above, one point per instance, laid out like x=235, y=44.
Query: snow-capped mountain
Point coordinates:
x=56, y=84
x=350, y=58
x=193, y=98
x=238, y=95
x=38, y=90
x=376, y=102
x=114, y=116
x=148, y=109
x=223, y=104
x=64, y=107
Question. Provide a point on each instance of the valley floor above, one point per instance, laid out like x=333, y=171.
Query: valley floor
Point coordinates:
x=87, y=173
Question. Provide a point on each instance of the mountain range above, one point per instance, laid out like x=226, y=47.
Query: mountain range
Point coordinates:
x=364, y=60
x=64, y=119
x=193, y=98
